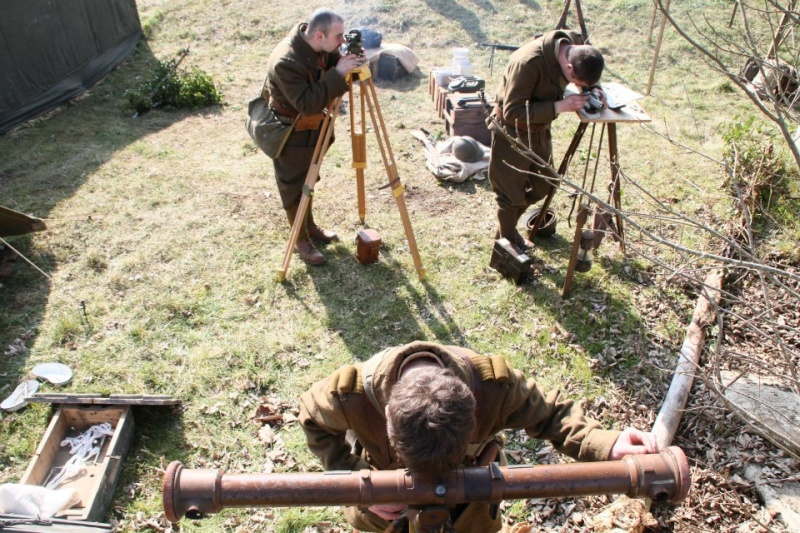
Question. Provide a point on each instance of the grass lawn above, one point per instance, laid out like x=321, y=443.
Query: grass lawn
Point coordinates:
x=167, y=229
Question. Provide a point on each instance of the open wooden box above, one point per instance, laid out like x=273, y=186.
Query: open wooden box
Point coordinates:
x=96, y=483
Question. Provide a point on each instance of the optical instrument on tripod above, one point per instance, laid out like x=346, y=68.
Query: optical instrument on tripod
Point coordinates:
x=367, y=100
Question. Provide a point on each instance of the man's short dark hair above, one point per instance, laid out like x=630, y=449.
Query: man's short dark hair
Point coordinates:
x=587, y=63
x=431, y=419
x=321, y=20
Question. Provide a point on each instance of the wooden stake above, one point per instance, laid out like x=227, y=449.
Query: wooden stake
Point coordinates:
x=657, y=50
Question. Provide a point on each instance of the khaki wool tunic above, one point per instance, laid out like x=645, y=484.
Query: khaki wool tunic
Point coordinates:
x=508, y=400
x=532, y=84
x=302, y=81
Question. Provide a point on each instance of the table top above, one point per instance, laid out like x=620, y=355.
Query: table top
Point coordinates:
x=631, y=112
x=623, y=105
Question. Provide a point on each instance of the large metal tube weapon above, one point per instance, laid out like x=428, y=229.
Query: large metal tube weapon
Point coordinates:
x=197, y=493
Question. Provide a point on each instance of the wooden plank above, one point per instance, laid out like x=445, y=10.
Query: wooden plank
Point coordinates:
x=99, y=399
x=46, y=452
x=111, y=464
x=63, y=398
x=26, y=524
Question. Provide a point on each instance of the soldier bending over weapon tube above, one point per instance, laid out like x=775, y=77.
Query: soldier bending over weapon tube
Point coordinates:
x=413, y=435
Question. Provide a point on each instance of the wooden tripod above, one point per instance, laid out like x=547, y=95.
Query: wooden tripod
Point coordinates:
x=608, y=118
x=368, y=99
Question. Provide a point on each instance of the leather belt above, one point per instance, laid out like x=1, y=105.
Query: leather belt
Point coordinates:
x=524, y=126
x=281, y=109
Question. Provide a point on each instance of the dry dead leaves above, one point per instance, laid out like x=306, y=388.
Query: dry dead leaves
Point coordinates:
x=273, y=414
x=718, y=446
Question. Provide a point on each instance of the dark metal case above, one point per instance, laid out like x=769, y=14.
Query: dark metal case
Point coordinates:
x=507, y=260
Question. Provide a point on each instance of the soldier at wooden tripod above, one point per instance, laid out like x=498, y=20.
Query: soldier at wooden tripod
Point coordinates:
x=367, y=100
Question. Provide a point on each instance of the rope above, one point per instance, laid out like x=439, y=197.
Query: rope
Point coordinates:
x=26, y=259
x=82, y=448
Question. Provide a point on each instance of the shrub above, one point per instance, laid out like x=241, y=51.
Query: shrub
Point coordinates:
x=170, y=86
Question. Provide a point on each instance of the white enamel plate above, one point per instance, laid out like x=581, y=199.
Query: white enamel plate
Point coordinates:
x=55, y=373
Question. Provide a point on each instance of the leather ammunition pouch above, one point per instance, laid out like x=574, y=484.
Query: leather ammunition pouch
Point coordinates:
x=309, y=122
x=510, y=262
x=268, y=129
x=368, y=243
x=304, y=122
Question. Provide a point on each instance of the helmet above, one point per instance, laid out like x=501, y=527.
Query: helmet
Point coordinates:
x=548, y=226
x=467, y=150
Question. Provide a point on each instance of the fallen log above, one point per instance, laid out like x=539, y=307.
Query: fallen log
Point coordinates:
x=629, y=516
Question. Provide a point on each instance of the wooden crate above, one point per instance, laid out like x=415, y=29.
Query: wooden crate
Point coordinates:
x=439, y=102
x=465, y=116
x=97, y=482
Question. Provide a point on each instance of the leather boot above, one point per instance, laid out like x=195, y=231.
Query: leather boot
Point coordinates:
x=291, y=213
x=309, y=253
x=304, y=247
x=317, y=233
x=507, y=218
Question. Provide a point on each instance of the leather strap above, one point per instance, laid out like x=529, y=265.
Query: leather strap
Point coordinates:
x=477, y=389
x=375, y=415
x=281, y=109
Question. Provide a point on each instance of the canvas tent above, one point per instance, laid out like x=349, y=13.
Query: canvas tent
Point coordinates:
x=52, y=50
x=16, y=223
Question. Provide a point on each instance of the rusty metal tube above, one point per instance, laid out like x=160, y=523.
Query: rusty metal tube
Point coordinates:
x=196, y=493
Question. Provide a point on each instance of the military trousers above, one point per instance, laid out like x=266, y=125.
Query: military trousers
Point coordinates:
x=291, y=168
x=516, y=181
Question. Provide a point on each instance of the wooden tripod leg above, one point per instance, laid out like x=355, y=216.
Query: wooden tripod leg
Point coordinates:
x=581, y=22
x=580, y=221
x=391, y=169
x=562, y=20
x=573, y=146
x=359, y=142
x=326, y=131
x=615, y=179
x=652, y=24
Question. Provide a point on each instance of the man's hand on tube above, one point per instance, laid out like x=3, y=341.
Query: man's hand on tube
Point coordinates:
x=631, y=442
x=388, y=511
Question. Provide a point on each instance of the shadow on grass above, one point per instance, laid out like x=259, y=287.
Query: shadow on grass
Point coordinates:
x=470, y=21
x=46, y=161
x=594, y=319
x=409, y=83
x=377, y=307
x=469, y=186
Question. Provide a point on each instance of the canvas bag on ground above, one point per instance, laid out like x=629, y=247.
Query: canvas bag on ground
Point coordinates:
x=268, y=130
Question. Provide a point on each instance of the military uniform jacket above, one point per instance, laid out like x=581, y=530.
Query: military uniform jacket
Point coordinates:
x=533, y=81
x=300, y=79
x=303, y=81
x=531, y=85
x=507, y=400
